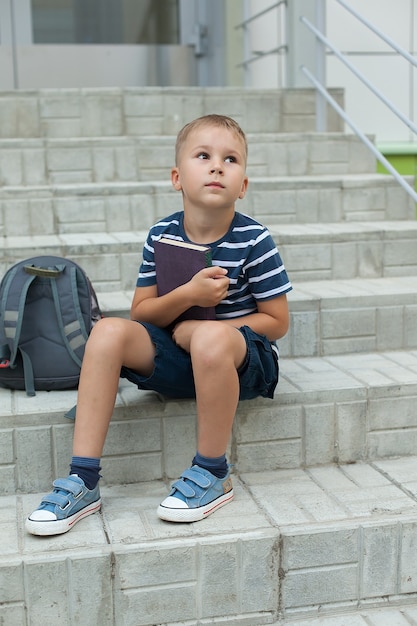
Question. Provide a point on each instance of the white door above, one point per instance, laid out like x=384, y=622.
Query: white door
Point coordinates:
x=95, y=43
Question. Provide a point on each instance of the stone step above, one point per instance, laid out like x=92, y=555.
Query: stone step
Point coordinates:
x=118, y=159
x=334, y=251
x=115, y=207
x=333, y=317
x=329, y=316
x=348, y=249
x=136, y=111
x=357, y=315
x=347, y=408
x=396, y=614
x=295, y=546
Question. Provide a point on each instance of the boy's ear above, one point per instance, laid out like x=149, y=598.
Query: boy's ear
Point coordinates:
x=244, y=187
x=175, y=179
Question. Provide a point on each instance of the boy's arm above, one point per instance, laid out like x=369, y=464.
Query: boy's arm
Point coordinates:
x=207, y=288
x=272, y=318
x=161, y=311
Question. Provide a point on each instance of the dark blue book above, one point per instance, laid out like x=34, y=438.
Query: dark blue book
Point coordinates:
x=176, y=262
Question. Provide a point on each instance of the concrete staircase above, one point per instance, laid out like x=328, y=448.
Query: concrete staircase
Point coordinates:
x=323, y=527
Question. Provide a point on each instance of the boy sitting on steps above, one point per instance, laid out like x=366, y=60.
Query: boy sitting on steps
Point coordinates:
x=217, y=362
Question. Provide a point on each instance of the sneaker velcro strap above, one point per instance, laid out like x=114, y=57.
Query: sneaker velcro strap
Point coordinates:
x=195, y=476
x=66, y=484
x=61, y=499
x=183, y=488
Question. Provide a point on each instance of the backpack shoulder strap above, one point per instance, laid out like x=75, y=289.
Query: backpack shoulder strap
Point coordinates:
x=28, y=373
x=70, y=318
x=15, y=288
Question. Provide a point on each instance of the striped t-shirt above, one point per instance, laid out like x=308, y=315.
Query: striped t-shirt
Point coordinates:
x=248, y=253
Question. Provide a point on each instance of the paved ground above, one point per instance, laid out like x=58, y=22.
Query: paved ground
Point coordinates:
x=401, y=616
x=336, y=534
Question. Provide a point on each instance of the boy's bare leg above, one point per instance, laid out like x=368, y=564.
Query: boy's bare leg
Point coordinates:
x=217, y=351
x=113, y=342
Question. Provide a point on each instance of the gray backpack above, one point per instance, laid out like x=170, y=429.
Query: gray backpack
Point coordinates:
x=47, y=310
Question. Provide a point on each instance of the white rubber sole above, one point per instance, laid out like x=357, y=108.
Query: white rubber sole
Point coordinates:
x=170, y=514
x=58, y=527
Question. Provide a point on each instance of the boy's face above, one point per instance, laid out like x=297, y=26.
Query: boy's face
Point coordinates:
x=211, y=169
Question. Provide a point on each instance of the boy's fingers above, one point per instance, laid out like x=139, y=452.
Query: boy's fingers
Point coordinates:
x=215, y=271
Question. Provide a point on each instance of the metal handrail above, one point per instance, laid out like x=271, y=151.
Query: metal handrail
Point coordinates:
x=359, y=74
x=325, y=94
x=360, y=134
x=260, y=54
x=378, y=32
x=256, y=15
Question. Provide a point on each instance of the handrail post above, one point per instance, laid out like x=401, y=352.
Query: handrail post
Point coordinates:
x=300, y=44
x=321, y=105
x=246, y=43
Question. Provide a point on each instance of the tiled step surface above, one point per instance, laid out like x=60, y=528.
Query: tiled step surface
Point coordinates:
x=311, y=252
x=332, y=317
x=274, y=201
x=156, y=110
x=358, y=315
x=348, y=249
x=327, y=317
x=332, y=409
x=397, y=615
x=291, y=541
x=115, y=159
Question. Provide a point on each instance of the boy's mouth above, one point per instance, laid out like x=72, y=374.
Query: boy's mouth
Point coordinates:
x=214, y=183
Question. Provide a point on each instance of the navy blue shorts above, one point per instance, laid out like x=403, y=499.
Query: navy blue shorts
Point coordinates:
x=173, y=374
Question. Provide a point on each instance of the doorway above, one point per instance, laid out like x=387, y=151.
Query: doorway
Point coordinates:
x=108, y=43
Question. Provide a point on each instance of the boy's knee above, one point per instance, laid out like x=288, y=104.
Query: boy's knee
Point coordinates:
x=210, y=332
x=105, y=324
x=212, y=342
x=109, y=329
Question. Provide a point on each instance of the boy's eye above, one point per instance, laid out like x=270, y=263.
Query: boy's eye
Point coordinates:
x=230, y=159
x=202, y=155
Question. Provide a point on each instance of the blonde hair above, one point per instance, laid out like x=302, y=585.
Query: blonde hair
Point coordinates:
x=213, y=119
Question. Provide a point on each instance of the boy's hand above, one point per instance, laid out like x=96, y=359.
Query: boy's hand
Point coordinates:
x=182, y=333
x=209, y=286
